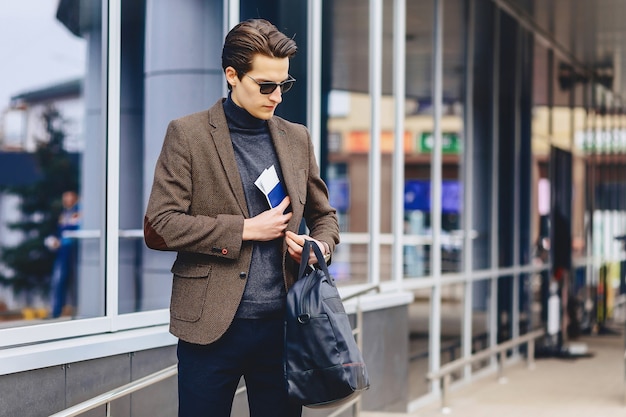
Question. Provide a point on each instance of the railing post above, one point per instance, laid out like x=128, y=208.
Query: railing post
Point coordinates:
x=359, y=342
x=501, y=357
x=445, y=385
x=530, y=360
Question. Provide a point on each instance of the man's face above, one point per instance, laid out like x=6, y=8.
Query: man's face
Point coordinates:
x=69, y=198
x=246, y=93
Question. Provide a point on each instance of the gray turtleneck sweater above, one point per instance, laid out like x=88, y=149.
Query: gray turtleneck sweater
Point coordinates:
x=264, y=295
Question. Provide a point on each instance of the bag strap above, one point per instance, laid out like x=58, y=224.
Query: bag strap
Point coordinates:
x=304, y=260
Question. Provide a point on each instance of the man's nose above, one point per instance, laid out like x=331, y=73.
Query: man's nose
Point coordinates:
x=276, y=95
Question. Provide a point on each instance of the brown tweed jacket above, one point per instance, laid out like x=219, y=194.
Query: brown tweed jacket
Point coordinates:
x=197, y=207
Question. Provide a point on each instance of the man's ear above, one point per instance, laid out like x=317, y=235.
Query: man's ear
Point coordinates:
x=231, y=76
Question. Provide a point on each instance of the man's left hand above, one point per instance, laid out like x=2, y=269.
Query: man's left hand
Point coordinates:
x=295, y=243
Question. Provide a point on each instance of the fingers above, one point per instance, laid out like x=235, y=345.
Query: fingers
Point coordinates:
x=281, y=208
x=291, y=244
x=297, y=239
x=268, y=225
x=284, y=204
x=295, y=243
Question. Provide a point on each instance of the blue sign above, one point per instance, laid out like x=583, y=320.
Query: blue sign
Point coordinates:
x=417, y=195
x=339, y=194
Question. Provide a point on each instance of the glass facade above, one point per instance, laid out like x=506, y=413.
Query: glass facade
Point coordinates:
x=475, y=158
x=52, y=144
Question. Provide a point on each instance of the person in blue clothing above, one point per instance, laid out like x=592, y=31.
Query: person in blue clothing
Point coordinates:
x=65, y=247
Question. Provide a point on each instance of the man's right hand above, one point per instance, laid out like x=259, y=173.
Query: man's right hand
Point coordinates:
x=269, y=225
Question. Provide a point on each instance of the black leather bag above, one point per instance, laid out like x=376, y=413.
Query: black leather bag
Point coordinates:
x=323, y=364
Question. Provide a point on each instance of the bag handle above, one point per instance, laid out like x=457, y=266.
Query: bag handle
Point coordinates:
x=304, y=260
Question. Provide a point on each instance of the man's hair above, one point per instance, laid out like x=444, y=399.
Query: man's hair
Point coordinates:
x=252, y=37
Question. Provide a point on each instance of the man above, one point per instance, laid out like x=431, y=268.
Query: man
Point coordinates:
x=214, y=185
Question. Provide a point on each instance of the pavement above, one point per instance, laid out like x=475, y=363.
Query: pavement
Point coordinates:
x=590, y=386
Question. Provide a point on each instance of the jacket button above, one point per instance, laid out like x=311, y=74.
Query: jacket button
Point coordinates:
x=224, y=251
x=242, y=275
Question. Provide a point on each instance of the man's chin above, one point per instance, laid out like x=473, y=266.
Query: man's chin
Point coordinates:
x=266, y=115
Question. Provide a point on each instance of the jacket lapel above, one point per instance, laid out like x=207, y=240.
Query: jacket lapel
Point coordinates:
x=223, y=144
x=285, y=157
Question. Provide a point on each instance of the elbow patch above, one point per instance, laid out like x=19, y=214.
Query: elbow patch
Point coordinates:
x=151, y=237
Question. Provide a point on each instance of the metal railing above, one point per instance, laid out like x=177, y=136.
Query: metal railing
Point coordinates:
x=114, y=394
x=444, y=374
x=108, y=397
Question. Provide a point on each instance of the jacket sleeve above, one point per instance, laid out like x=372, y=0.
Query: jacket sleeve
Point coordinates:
x=320, y=216
x=169, y=223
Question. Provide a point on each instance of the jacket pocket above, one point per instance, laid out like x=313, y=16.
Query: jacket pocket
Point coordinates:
x=189, y=290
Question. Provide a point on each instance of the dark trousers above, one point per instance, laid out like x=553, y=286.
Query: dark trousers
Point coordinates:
x=208, y=375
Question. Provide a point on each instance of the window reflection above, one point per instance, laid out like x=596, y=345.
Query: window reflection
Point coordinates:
x=50, y=162
x=348, y=138
x=131, y=284
x=162, y=78
x=541, y=200
x=347, y=133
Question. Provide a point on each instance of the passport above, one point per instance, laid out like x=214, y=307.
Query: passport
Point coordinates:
x=270, y=186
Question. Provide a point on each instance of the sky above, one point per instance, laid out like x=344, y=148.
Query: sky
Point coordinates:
x=36, y=50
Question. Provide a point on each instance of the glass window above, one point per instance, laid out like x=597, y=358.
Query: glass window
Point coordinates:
x=347, y=131
x=419, y=126
x=162, y=78
x=453, y=129
x=482, y=110
x=452, y=148
x=580, y=200
x=540, y=209
x=348, y=134
x=52, y=166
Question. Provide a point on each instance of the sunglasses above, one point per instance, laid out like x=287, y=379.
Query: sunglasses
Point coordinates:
x=268, y=87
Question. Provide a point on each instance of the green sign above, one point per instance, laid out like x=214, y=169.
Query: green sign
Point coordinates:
x=601, y=141
x=450, y=142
